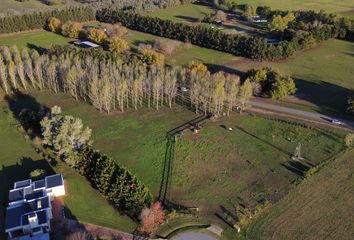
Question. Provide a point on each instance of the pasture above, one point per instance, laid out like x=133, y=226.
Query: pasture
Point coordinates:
x=18, y=159
x=320, y=208
x=18, y=7
x=323, y=75
x=213, y=168
x=33, y=39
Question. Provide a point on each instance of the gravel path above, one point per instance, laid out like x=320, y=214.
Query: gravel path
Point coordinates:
x=194, y=236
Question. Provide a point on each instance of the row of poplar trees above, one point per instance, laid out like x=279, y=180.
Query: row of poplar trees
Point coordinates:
x=116, y=84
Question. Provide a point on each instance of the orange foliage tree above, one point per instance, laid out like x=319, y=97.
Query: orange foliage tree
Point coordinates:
x=151, y=218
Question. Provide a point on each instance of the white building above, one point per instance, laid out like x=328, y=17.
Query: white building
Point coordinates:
x=30, y=211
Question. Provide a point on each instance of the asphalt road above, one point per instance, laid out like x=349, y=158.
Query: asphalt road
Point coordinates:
x=299, y=113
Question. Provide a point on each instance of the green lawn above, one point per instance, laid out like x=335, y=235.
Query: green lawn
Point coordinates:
x=324, y=75
x=194, y=13
x=321, y=208
x=183, y=13
x=14, y=6
x=213, y=168
x=345, y=7
x=18, y=159
x=35, y=39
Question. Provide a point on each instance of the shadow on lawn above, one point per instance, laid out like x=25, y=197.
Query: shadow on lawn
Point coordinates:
x=188, y=18
x=329, y=98
x=27, y=110
x=20, y=171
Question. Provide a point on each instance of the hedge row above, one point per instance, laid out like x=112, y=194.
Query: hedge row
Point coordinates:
x=117, y=184
x=37, y=20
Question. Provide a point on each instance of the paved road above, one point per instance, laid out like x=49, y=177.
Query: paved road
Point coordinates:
x=194, y=236
x=299, y=113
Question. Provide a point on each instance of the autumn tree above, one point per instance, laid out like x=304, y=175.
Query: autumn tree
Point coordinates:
x=114, y=30
x=64, y=135
x=232, y=87
x=245, y=93
x=71, y=29
x=149, y=56
x=166, y=46
x=280, y=23
x=249, y=12
x=117, y=45
x=151, y=218
x=96, y=35
x=53, y=24
x=220, y=16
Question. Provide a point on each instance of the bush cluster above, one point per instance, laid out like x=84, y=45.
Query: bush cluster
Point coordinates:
x=38, y=20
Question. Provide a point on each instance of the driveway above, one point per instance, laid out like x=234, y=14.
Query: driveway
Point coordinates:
x=193, y=236
x=299, y=113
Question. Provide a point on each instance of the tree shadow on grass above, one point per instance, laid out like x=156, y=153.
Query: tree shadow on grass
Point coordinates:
x=331, y=99
x=19, y=171
x=187, y=18
x=297, y=167
x=40, y=50
x=19, y=103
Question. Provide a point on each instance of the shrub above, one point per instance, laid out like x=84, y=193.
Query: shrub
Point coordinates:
x=96, y=35
x=71, y=29
x=53, y=24
x=166, y=46
x=117, y=45
x=350, y=104
x=149, y=56
x=349, y=140
x=37, y=173
x=114, y=30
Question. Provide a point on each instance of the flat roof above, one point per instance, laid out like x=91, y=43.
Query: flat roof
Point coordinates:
x=21, y=184
x=54, y=181
x=86, y=43
x=14, y=213
x=42, y=217
x=39, y=184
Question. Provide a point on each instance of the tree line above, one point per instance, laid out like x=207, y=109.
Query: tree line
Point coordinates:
x=136, y=5
x=299, y=35
x=38, y=20
x=110, y=83
x=251, y=47
x=66, y=139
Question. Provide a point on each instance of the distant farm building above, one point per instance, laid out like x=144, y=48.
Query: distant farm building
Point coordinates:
x=86, y=44
x=30, y=210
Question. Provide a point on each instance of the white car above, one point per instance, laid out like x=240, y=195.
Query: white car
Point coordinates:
x=337, y=122
x=184, y=89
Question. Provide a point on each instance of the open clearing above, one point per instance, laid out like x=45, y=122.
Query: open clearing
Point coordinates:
x=324, y=75
x=210, y=169
x=195, y=13
x=320, y=208
x=18, y=159
x=35, y=39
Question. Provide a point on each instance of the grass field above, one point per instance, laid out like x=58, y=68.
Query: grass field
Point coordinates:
x=183, y=13
x=213, y=168
x=195, y=13
x=321, y=208
x=18, y=159
x=324, y=75
x=344, y=7
x=13, y=6
x=35, y=39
